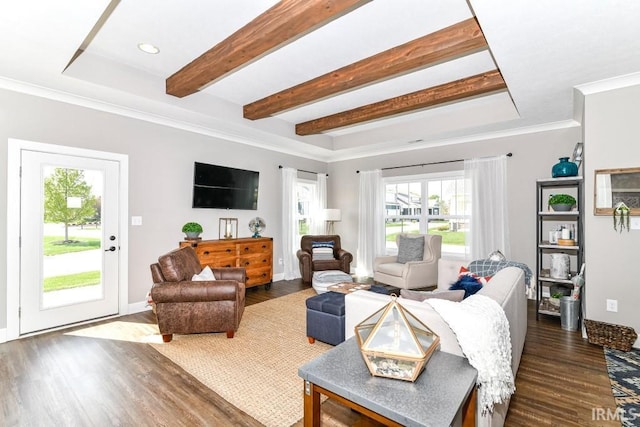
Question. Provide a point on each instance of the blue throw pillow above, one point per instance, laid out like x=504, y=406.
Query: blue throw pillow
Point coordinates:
x=469, y=284
x=328, y=244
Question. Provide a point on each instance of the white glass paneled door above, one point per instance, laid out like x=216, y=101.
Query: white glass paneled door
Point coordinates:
x=69, y=249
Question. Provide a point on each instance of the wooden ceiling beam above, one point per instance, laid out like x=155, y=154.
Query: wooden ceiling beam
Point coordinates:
x=479, y=84
x=452, y=42
x=279, y=25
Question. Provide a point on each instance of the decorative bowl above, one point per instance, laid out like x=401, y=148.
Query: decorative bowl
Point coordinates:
x=561, y=207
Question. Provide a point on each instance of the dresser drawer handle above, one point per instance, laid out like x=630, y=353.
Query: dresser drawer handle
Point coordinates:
x=228, y=265
x=247, y=263
x=246, y=248
x=206, y=252
x=228, y=250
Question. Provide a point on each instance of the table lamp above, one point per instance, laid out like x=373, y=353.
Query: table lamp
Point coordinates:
x=331, y=216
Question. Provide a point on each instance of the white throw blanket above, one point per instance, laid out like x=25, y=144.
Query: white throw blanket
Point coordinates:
x=482, y=329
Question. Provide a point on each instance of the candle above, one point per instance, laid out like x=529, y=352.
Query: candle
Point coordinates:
x=227, y=230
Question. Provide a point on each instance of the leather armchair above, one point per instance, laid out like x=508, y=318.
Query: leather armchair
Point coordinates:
x=184, y=306
x=413, y=274
x=341, y=258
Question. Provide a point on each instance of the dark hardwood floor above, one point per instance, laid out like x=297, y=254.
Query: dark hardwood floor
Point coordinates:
x=57, y=379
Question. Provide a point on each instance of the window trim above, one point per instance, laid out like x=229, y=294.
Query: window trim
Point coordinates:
x=424, y=217
x=299, y=217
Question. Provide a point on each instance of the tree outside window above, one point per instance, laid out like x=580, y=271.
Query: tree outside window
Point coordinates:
x=68, y=199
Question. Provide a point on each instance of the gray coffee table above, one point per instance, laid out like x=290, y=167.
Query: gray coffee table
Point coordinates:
x=445, y=389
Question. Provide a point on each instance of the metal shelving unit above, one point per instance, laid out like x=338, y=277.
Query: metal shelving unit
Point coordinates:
x=546, y=220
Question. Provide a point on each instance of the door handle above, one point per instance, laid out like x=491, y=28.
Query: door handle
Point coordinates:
x=111, y=249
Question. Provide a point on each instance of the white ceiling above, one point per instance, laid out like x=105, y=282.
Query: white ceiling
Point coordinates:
x=543, y=48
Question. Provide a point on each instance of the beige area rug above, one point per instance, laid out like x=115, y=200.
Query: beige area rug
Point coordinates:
x=257, y=370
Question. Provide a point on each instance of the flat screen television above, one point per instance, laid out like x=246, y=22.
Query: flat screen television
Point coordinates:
x=220, y=187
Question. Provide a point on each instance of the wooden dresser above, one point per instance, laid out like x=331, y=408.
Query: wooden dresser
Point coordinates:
x=254, y=254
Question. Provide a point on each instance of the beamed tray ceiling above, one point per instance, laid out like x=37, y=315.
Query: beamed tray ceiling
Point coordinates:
x=325, y=79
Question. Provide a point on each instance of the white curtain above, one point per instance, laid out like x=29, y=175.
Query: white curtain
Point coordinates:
x=290, y=223
x=371, y=230
x=318, y=205
x=489, y=228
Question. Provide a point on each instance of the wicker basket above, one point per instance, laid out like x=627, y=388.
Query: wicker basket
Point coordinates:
x=608, y=335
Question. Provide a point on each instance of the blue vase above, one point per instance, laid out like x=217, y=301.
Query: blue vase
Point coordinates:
x=564, y=168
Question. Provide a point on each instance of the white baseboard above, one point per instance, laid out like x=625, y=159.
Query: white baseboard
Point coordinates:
x=138, y=307
x=279, y=276
x=3, y=335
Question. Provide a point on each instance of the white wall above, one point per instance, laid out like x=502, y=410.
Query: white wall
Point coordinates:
x=612, y=140
x=161, y=176
x=533, y=156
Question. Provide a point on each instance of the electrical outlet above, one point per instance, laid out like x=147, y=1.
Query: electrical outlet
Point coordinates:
x=634, y=223
x=136, y=220
x=612, y=305
x=280, y=261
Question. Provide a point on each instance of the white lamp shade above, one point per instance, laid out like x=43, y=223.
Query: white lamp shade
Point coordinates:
x=332, y=215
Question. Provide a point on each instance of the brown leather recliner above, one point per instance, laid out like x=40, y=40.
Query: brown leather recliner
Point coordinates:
x=341, y=258
x=184, y=306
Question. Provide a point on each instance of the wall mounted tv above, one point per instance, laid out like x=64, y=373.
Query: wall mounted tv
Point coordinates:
x=220, y=187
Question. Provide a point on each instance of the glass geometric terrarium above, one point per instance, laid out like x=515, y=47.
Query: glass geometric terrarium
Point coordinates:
x=394, y=343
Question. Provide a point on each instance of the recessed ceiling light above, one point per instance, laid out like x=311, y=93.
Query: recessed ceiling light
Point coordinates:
x=148, y=48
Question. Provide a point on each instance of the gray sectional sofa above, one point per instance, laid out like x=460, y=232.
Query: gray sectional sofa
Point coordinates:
x=506, y=287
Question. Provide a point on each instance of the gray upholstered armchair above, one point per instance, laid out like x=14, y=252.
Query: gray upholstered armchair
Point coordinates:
x=341, y=259
x=184, y=306
x=418, y=273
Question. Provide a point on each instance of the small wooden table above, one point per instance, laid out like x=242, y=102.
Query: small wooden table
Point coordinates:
x=443, y=391
x=347, y=287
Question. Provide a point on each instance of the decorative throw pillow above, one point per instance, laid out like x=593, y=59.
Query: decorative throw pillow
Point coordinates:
x=468, y=283
x=497, y=256
x=465, y=272
x=455, y=296
x=322, y=250
x=205, y=274
x=410, y=249
x=328, y=244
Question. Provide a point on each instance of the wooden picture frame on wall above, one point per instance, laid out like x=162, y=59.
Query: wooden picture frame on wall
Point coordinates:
x=616, y=185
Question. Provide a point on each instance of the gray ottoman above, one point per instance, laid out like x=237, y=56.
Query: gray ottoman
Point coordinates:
x=325, y=318
x=323, y=279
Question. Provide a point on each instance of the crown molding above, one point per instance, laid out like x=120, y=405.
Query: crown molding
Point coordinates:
x=390, y=148
x=613, y=83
